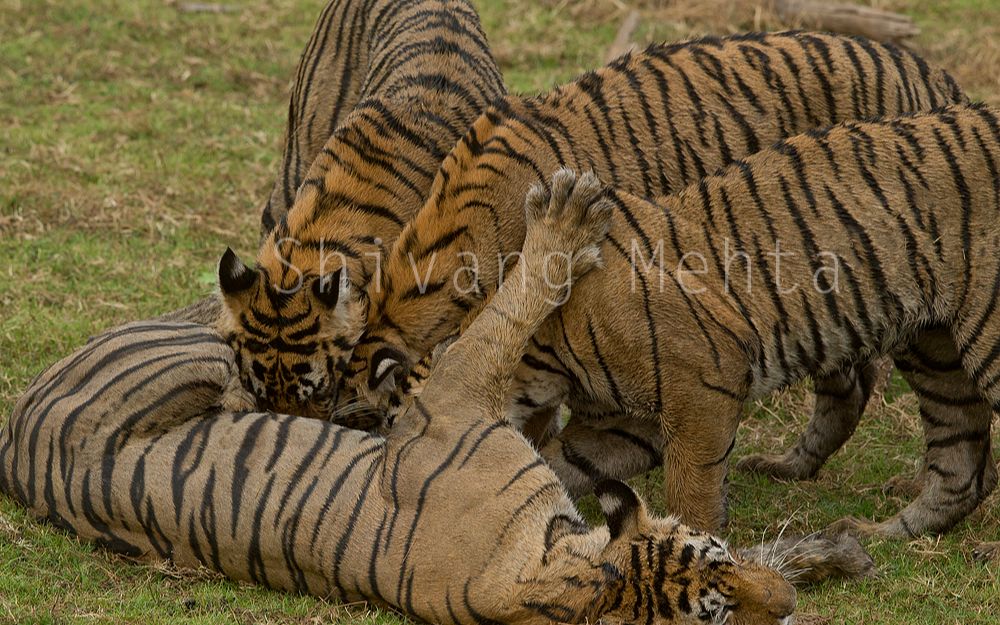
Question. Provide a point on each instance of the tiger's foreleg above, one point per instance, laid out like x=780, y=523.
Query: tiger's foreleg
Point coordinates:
x=695, y=464
x=840, y=401
x=959, y=471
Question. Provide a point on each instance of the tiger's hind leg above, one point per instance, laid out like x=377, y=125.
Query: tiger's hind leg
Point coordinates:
x=958, y=464
x=840, y=401
x=594, y=447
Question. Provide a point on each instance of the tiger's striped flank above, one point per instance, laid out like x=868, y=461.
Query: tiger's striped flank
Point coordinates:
x=829, y=248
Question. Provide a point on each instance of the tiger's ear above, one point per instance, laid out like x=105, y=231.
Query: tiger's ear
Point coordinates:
x=624, y=511
x=330, y=289
x=386, y=365
x=234, y=276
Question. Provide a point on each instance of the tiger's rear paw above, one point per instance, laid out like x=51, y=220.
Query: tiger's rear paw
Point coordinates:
x=987, y=552
x=783, y=467
x=571, y=220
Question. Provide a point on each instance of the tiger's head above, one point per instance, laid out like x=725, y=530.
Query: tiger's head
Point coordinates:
x=293, y=335
x=665, y=572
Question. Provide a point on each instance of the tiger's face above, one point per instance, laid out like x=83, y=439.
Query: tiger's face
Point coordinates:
x=292, y=344
x=670, y=573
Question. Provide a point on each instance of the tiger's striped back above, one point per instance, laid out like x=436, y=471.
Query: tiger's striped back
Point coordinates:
x=358, y=50
x=824, y=250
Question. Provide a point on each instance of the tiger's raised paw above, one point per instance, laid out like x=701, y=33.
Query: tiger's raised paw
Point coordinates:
x=987, y=552
x=567, y=222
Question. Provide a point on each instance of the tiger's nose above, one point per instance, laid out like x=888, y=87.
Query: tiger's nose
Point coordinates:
x=781, y=603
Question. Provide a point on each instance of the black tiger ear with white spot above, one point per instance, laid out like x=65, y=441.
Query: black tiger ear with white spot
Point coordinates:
x=622, y=508
x=386, y=365
x=330, y=289
x=234, y=276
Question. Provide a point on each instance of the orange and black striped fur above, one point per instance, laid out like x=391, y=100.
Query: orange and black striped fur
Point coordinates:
x=337, y=69
x=329, y=82
x=145, y=441
x=649, y=124
x=820, y=252
x=414, y=76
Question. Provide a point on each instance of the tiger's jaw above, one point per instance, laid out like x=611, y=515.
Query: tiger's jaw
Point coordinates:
x=292, y=350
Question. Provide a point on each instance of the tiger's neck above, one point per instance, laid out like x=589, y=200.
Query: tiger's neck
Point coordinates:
x=457, y=249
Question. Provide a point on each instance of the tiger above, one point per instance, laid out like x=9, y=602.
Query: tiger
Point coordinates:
x=824, y=250
x=352, y=51
x=351, y=56
x=146, y=442
x=650, y=122
x=642, y=124
x=429, y=74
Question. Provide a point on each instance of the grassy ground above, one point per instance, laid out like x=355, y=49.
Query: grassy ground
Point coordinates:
x=138, y=141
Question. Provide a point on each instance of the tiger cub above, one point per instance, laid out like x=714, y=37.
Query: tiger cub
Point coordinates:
x=143, y=440
x=650, y=123
x=822, y=251
x=642, y=125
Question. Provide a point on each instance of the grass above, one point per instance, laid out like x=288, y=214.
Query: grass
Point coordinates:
x=140, y=140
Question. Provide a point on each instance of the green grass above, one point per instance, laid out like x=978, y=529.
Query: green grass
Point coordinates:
x=139, y=141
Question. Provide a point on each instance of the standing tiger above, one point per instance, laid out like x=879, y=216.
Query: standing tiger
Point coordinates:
x=429, y=75
x=649, y=123
x=414, y=74
x=145, y=441
x=820, y=252
x=641, y=124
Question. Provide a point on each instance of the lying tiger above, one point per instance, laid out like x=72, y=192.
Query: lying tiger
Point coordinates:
x=650, y=123
x=145, y=441
x=823, y=251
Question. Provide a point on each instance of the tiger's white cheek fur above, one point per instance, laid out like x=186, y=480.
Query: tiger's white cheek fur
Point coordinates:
x=315, y=378
x=713, y=603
